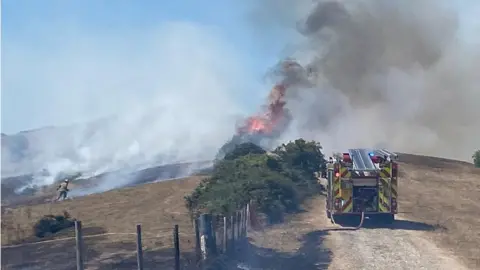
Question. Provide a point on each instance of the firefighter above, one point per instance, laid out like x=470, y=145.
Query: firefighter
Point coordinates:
x=62, y=190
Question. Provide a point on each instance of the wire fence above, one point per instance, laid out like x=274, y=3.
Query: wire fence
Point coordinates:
x=86, y=237
x=165, y=249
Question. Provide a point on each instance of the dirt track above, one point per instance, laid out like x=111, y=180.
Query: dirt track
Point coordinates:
x=310, y=241
x=392, y=248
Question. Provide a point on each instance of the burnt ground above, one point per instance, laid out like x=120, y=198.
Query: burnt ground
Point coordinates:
x=143, y=176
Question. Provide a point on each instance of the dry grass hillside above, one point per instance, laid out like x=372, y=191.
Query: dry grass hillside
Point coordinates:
x=441, y=192
x=444, y=193
x=157, y=206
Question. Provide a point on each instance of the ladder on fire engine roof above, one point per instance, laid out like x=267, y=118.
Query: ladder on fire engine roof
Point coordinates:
x=385, y=152
x=362, y=160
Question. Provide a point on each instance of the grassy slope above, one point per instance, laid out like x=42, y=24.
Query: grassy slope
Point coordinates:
x=156, y=206
x=445, y=193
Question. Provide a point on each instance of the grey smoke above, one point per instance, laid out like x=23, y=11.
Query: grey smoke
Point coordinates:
x=383, y=73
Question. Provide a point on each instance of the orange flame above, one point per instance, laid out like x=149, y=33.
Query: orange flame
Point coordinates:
x=275, y=110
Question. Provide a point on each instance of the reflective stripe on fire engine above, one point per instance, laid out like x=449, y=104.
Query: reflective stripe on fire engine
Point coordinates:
x=383, y=202
x=336, y=185
x=385, y=172
x=346, y=193
x=347, y=206
x=384, y=195
x=385, y=189
x=343, y=193
x=345, y=173
x=385, y=183
x=394, y=188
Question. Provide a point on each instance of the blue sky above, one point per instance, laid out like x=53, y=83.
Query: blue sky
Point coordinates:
x=23, y=18
x=66, y=61
x=43, y=39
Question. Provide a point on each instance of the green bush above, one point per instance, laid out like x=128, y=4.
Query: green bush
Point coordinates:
x=476, y=158
x=50, y=224
x=243, y=150
x=272, y=180
x=305, y=157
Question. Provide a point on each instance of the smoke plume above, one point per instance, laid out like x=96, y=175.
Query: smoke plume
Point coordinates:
x=382, y=74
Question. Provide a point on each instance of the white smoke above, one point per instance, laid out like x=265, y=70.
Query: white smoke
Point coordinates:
x=172, y=92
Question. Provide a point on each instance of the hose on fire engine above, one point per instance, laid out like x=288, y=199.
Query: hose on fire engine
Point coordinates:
x=362, y=218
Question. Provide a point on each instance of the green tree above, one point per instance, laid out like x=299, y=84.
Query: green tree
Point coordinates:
x=235, y=182
x=302, y=156
x=273, y=180
x=476, y=158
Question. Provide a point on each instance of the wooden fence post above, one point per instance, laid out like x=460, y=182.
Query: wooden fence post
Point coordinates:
x=248, y=217
x=244, y=222
x=198, y=251
x=239, y=222
x=176, y=242
x=79, y=244
x=240, y=225
x=232, y=232
x=247, y=220
x=214, y=234
x=139, y=248
x=206, y=236
x=254, y=223
x=225, y=235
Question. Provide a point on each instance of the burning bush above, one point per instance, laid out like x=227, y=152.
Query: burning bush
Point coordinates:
x=263, y=128
x=256, y=132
